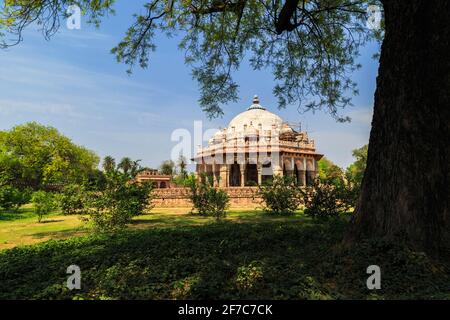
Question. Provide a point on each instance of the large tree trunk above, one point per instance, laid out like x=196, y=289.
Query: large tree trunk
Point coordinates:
x=406, y=188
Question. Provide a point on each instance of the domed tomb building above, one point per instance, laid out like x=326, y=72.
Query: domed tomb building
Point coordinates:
x=257, y=145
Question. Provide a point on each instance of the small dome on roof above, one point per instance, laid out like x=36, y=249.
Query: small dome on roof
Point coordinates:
x=256, y=104
x=256, y=116
x=220, y=134
x=286, y=129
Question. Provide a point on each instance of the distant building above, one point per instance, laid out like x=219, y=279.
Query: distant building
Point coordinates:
x=159, y=181
x=255, y=146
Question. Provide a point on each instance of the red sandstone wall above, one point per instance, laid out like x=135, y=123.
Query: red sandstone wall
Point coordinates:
x=179, y=197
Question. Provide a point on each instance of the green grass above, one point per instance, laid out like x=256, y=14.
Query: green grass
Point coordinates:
x=173, y=255
x=22, y=228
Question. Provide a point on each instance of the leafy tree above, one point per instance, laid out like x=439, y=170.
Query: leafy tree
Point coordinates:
x=329, y=173
x=44, y=203
x=182, y=164
x=125, y=165
x=311, y=47
x=12, y=198
x=355, y=171
x=208, y=200
x=281, y=196
x=135, y=168
x=96, y=180
x=33, y=155
x=111, y=209
x=72, y=199
x=323, y=200
x=109, y=164
x=167, y=167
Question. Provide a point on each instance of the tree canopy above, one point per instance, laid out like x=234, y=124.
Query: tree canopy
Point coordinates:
x=34, y=155
x=310, y=45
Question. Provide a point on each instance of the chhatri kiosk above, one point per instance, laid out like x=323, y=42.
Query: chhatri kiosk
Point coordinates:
x=257, y=145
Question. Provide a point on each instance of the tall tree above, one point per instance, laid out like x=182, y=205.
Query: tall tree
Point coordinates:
x=406, y=186
x=33, y=155
x=109, y=164
x=311, y=46
x=355, y=171
x=167, y=167
x=182, y=164
x=329, y=172
x=125, y=165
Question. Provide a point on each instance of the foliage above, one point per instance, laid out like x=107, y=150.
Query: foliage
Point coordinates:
x=182, y=165
x=208, y=200
x=96, y=180
x=248, y=277
x=281, y=196
x=43, y=203
x=12, y=198
x=127, y=166
x=72, y=199
x=109, y=164
x=310, y=46
x=33, y=155
x=271, y=260
x=113, y=208
x=325, y=200
x=355, y=171
x=167, y=167
x=330, y=173
x=183, y=181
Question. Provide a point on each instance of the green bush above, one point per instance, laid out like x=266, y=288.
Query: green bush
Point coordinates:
x=72, y=199
x=114, y=207
x=268, y=260
x=248, y=277
x=12, y=198
x=43, y=203
x=281, y=196
x=207, y=200
x=324, y=200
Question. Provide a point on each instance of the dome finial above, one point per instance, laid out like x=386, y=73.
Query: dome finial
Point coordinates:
x=255, y=104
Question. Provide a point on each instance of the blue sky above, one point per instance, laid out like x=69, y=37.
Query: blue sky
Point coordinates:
x=74, y=84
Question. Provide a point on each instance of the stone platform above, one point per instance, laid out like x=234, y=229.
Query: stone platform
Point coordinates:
x=179, y=197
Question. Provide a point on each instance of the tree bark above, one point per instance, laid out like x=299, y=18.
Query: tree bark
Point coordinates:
x=406, y=188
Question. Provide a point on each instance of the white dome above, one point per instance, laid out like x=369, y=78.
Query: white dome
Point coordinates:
x=257, y=117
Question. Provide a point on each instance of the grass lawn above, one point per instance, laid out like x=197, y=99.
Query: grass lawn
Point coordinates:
x=22, y=228
x=170, y=254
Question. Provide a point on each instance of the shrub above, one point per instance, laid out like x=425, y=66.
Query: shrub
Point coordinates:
x=12, y=198
x=249, y=277
x=114, y=207
x=43, y=202
x=207, y=200
x=281, y=196
x=72, y=199
x=324, y=200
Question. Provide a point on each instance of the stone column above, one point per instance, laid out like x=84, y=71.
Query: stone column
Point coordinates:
x=304, y=171
x=242, y=167
x=223, y=181
x=216, y=178
x=259, y=167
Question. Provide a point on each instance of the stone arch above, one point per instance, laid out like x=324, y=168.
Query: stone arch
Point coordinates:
x=287, y=167
x=309, y=164
x=300, y=172
x=310, y=173
x=235, y=175
x=299, y=164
